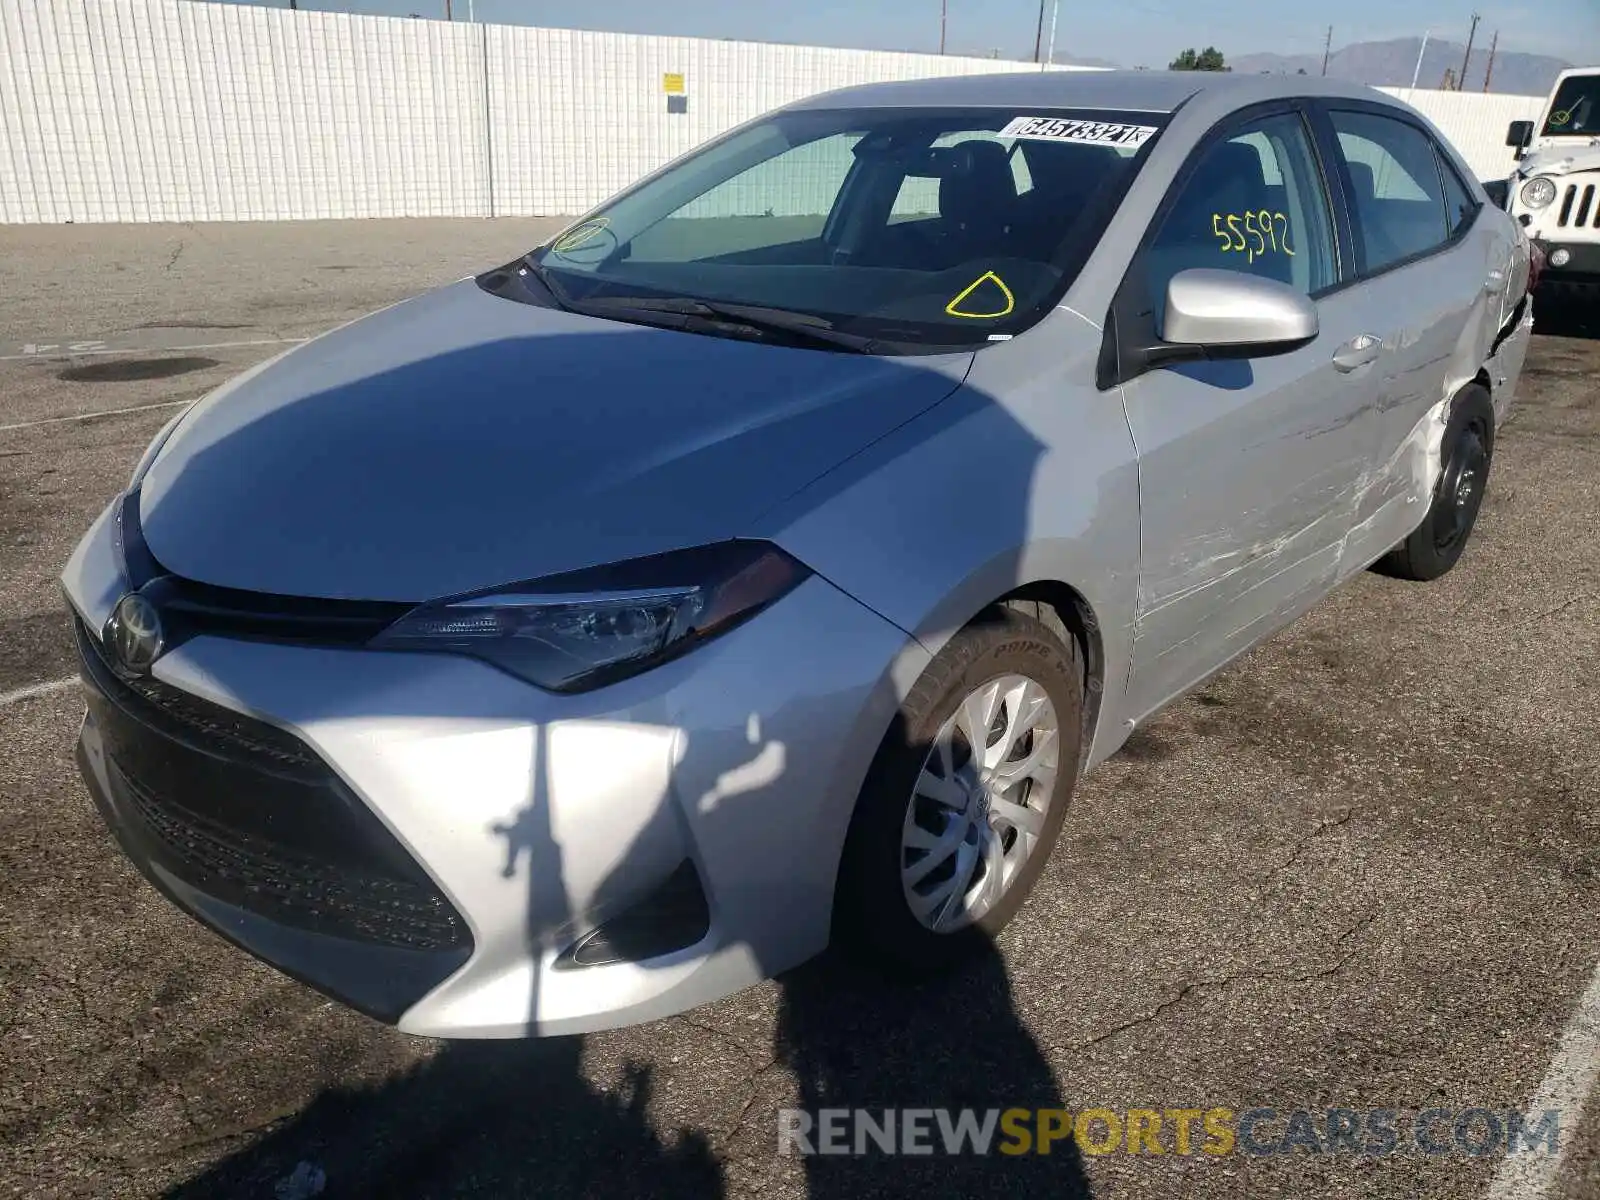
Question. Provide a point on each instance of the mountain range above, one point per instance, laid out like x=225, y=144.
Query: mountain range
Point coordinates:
x=1391, y=63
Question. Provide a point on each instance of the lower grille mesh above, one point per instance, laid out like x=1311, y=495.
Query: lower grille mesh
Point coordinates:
x=247, y=813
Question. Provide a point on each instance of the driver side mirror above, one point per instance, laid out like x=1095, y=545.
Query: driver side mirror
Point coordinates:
x=1518, y=136
x=1208, y=314
x=1231, y=315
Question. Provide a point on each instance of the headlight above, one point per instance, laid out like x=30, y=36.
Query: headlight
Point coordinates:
x=570, y=633
x=1539, y=192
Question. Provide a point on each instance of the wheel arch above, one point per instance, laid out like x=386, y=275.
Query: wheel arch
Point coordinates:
x=1064, y=610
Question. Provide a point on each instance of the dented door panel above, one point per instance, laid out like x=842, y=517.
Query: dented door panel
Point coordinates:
x=1445, y=312
x=1249, y=472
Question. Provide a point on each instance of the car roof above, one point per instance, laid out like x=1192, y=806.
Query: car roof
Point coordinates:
x=1129, y=91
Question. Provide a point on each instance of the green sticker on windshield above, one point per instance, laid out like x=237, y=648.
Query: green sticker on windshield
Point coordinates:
x=993, y=305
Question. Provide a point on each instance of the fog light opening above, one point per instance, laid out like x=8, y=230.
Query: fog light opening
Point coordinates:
x=673, y=917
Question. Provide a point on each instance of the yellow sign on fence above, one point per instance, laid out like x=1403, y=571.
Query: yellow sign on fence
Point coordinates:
x=672, y=85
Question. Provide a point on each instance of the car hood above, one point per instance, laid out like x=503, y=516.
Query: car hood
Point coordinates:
x=1561, y=160
x=460, y=440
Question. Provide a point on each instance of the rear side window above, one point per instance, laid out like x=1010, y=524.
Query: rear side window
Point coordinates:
x=1398, y=198
x=1254, y=203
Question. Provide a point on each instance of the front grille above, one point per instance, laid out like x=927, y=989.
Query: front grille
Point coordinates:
x=1578, y=207
x=247, y=813
x=184, y=715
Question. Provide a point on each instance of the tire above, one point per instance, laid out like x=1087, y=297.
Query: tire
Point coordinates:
x=1466, y=453
x=873, y=919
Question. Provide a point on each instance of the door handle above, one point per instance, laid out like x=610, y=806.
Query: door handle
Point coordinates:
x=1357, y=352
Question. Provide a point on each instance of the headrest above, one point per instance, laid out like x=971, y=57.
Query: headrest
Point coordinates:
x=976, y=186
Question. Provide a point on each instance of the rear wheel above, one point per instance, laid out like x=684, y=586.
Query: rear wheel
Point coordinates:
x=1465, y=453
x=965, y=797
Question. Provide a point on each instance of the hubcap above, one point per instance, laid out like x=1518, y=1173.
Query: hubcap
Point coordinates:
x=980, y=802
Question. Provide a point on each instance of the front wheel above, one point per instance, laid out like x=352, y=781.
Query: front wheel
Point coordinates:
x=965, y=797
x=1465, y=455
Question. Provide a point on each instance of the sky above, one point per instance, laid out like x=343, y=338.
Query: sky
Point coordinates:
x=1129, y=32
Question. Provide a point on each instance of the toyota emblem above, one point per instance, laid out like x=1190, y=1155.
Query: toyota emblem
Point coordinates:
x=133, y=635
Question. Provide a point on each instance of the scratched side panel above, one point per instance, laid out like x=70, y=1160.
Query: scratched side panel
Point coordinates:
x=1249, y=473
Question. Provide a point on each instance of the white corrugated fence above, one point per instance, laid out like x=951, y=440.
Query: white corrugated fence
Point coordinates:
x=173, y=110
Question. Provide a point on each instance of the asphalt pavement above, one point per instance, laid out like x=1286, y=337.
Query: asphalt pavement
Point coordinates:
x=1359, y=871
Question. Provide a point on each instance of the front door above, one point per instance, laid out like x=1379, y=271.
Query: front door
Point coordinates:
x=1249, y=469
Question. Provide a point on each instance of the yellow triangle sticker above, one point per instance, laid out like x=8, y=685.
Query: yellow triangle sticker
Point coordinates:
x=1000, y=306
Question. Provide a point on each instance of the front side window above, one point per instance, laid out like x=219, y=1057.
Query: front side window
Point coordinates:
x=917, y=228
x=1255, y=203
x=1575, y=110
x=1398, y=196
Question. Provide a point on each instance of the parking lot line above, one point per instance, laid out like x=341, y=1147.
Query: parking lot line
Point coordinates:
x=1573, y=1073
x=71, y=350
x=34, y=690
x=103, y=412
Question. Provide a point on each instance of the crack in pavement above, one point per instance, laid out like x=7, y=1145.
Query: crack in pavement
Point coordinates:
x=1301, y=846
x=1560, y=608
x=1224, y=981
x=753, y=1081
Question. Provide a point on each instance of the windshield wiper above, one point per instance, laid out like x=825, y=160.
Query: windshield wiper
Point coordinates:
x=800, y=326
x=543, y=275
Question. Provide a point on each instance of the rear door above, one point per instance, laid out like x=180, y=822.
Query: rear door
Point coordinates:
x=1430, y=275
x=1248, y=469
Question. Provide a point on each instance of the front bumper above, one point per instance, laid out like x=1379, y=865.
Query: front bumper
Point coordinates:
x=533, y=819
x=1580, y=273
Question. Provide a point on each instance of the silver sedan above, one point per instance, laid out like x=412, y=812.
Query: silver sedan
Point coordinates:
x=758, y=564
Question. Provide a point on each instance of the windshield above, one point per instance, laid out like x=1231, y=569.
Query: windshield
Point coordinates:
x=919, y=229
x=1575, y=111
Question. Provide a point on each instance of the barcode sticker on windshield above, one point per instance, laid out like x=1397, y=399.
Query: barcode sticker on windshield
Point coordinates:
x=1059, y=129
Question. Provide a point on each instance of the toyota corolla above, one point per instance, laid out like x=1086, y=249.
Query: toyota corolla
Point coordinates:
x=758, y=564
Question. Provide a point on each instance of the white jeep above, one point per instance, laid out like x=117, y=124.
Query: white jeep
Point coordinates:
x=1555, y=190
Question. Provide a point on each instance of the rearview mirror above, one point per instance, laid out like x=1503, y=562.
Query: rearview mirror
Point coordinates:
x=1519, y=135
x=1231, y=315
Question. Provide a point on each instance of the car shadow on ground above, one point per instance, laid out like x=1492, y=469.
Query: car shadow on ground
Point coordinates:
x=518, y=1118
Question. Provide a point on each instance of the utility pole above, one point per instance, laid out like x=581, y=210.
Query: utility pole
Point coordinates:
x=1467, y=61
x=944, y=21
x=447, y=15
x=1327, y=49
x=1055, y=11
x=1038, y=36
x=1488, y=72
